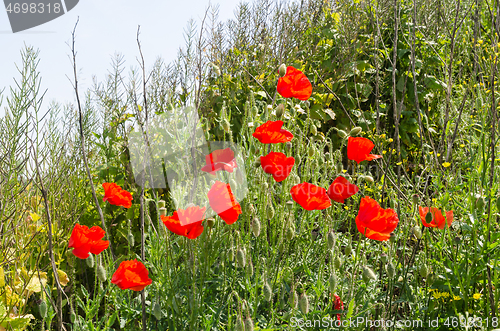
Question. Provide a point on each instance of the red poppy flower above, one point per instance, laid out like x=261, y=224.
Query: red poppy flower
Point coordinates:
x=84, y=241
x=222, y=201
x=272, y=133
x=438, y=220
x=277, y=164
x=310, y=197
x=186, y=222
x=131, y=275
x=374, y=222
x=358, y=149
x=116, y=196
x=220, y=159
x=337, y=304
x=341, y=189
x=294, y=85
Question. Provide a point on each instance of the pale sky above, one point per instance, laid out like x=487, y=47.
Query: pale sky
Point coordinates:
x=106, y=27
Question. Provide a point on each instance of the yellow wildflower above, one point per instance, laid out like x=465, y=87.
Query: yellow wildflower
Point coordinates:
x=446, y=164
x=476, y=296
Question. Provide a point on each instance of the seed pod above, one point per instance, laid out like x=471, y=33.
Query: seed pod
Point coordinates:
x=230, y=254
x=348, y=249
x=72, y=316
x=355, y=131
x=417, y=232
x=304, y=304
x=280, y=110
x=339, y=168
x=163, y=211
x=384, y=258
x=130, y=239
x=310, y=150
x=415, y=199
x=249, y=268
x=294, y=299
x=290, y=232
x=368, y=273
x=282, y=70
x=268, y=293
x=225, y=125
x=342, y=134
x=270, y=211
x=240, y=326
x=288, y=145
x=249, y=324
x=423, y=270
x=369, y=179
x=257, y=163
x=314, y=130
x=289, y=205
x=298, y=159
x=90, y=261
x=391, y=270
x=161, y=203
x=256, y=227
x=393, y=238
x=332, y=282
x=428, y=217
x=42, y=308
x=157, y=310
x=330, y=240
x=101, y=273
x=240, y=258
x=337, y=262
x=210, y=222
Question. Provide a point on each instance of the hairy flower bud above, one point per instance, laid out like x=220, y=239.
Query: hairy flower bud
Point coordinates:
x=314, y=130
x=90, y=261
x=417, y=232
x=415, y=199
x=210, y=222
x=225, y=125
x=355, y=131
x=294, y=299
x=161, y=203
x=42, y=308
x=332, y=281
x=342, y=134
x=280, y=110
x=391, y=270
x=311, y=150
x=249, y=268
x=240, y=326
x=130, y=239
x=240, y=258
x=339, y=168
x=256, y=227
x=249, y=324
x=337, y=262
x=163, y=211
x=230, y=254
x=423, y=270
x=369, y=179
x=290, y=232
x=289, y=205
x=480, y=204
x=304, y=303
x=270, y=211
x=384, y=258
x=267, y=291
x=393, y=238
x=368, y=273
x=282, y=70
x=257, y=163
x=348, y=249
x=157, y=310
x=101, y=273
x=330, y=238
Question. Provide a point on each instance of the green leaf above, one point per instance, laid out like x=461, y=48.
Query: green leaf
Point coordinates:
x=350, y=309
x=261, y=93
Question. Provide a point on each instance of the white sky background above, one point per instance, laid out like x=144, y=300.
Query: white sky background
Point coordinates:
x=106, y=27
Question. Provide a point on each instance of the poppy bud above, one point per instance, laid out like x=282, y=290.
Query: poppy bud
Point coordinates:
x=430, y=279
x=298, y=159
x=257, y=163
x=417, y=232
x=368, y=274
x=289, y=205
x=210, y=222
x=314, y=130
x=337, y=262
x=163, y=211
x=161, y=204
x=330, y=240
x=342, y=134
x=294, y=299
x=480, y=204
x=311, y=150
x=290, y=232
x=288, y=145
x=457, y=239
x=281, y=247
x=230, y=254
x=384, y=258
x=256, y=227
x=348, y=249
x=90, y=260
x=240, y=258
x=157, y=310
x=130, y=239
x=428, y=217
x=239, y=324
x=280, y=110
x=332, y=282
x=72, y=316
x=415, y=199
x=391, y=271
x=101, y=273
x=249, y=324
x=270, y=211
x=249, y=268
x=355, y=131
x=42, y=307
x=282, y=70
x=255, y=111
x=225, y=125
x=304, y=303
x=393, y=238
x=369, y=179
x=268, y=293
x=423, y=270
x=339, y=168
